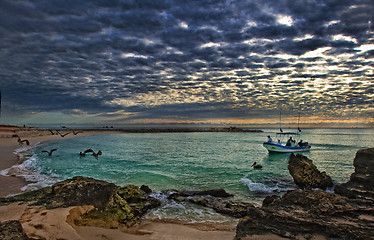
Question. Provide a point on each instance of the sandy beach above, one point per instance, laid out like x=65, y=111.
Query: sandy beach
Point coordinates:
x=39, y=222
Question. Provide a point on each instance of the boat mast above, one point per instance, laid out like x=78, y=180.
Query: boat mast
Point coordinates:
x=298, y=121
x=280, y=121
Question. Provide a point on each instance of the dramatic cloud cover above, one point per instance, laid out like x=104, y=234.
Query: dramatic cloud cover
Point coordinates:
x=123, y=62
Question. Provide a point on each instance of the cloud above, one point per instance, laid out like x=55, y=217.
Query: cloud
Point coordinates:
x=186, y=60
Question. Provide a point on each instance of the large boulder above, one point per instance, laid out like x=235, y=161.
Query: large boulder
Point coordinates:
x=361, y=182
x=80, y=191
x=306, y=175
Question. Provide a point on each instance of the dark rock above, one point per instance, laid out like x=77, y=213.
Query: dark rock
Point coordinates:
x=361, y=182
x=269, y=200
x=235, y=209
x=37, y=195
x=305, y=173
x=342, y=190
x=300, y=213
x=146, y=189
x=213, y=192
x=80, y=191
x=316, y=202
x=213, y=199
x=12, y=230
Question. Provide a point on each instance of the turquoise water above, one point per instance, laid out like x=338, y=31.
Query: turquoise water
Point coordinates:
x=194, y=161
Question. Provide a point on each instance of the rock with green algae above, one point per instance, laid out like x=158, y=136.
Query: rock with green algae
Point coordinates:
x=36, y=195
x=114, y=206
x=126, y=207
x=117, y=212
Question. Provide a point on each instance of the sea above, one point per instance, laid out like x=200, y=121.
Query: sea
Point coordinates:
x=189, y=161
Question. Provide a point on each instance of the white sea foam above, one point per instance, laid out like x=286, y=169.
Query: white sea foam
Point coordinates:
x=184, y=211
x=28, y=170
x=262, y=187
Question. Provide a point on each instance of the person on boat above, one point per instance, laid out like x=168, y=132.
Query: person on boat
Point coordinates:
x=292, y=143
x=300, y=143
x=288, y=144
x=269, y=139
x=279, y=142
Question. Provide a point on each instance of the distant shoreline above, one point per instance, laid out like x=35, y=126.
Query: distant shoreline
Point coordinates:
x=13, y=129
x=176, y=130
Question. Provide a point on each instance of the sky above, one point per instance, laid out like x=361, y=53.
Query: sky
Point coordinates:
x=127, y=63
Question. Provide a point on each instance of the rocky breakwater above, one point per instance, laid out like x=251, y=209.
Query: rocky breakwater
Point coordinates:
x=305, y=214
x=112, y=206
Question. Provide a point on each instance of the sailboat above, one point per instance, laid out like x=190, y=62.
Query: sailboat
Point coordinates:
x=287, y=142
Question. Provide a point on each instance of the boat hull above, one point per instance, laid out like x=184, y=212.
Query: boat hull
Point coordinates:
x=273, y=147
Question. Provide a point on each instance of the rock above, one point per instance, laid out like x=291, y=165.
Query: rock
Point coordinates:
x=305, y=173
x=125, y=206
x=213, y=199
x=235, y=209
x=213, y=192
x=299, y=213
x=12, y=230
x=113, y=206
x=80, y=191
x=361, y=182
x=36, y=195
x=146, y=189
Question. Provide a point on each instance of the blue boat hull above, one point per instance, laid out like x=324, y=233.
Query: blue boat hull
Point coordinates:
x=273, y=147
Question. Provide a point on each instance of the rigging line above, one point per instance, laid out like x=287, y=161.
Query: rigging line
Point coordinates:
x=280, y=120
x=298, y=120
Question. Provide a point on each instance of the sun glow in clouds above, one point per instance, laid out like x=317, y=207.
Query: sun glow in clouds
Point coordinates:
x=285, y=20
x=344, y=38
x=132, y=55
x=210, y=44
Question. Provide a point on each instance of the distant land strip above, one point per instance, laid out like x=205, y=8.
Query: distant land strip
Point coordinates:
x=9, y=128
x=176, y=130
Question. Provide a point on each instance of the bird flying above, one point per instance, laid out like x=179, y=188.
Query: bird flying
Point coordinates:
x=20, y=141
x=96, y=155
x=62, y=135
x=50, y=152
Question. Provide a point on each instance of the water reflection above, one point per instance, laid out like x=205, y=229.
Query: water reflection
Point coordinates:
x=271, y=157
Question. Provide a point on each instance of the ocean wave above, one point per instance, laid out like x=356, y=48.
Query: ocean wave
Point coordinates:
x=28, y=170
x=183, y=211
x=268, y=185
